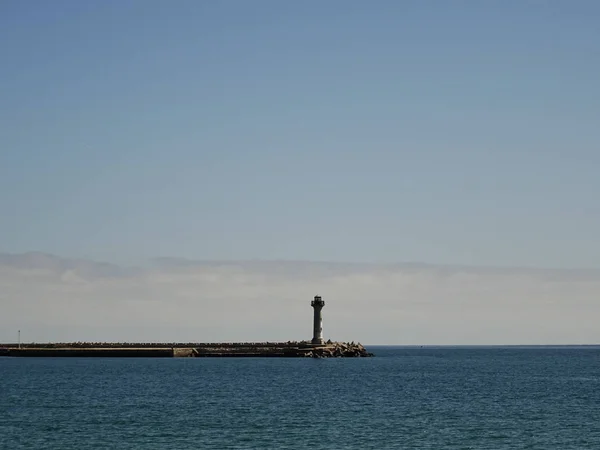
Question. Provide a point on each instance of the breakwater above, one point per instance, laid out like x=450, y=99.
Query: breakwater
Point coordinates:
x=291, y=349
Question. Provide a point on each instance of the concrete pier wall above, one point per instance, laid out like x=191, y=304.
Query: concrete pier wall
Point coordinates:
x=215, y=350
x=93, y=352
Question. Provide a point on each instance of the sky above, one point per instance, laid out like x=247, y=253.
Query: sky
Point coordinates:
x=448, y=150
x=443, y=132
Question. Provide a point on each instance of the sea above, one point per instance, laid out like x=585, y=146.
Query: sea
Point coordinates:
x=403, y=398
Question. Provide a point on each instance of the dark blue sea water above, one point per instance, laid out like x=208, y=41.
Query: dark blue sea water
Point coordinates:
x=404, y=398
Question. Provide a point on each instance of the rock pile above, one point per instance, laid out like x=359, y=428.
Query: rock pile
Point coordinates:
x=337, y=350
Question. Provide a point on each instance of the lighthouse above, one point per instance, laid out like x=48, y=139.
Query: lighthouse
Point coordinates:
x=317, y=305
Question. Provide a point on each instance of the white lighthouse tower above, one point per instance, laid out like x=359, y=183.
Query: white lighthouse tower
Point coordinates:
x=317, y=304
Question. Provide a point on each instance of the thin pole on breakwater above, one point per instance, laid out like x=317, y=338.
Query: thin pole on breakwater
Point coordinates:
x=19, y=339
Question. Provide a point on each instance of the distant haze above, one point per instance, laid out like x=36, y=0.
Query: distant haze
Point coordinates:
x=57, y=299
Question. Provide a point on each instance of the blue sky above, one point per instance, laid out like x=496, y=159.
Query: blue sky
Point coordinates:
x=446, y=132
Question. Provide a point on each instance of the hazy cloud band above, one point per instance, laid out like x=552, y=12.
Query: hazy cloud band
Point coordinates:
x=57, y=299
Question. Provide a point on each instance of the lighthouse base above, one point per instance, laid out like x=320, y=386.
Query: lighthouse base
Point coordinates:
x=317, y=341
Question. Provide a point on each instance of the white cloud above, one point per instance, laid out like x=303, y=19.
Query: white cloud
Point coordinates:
x=54, y=299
